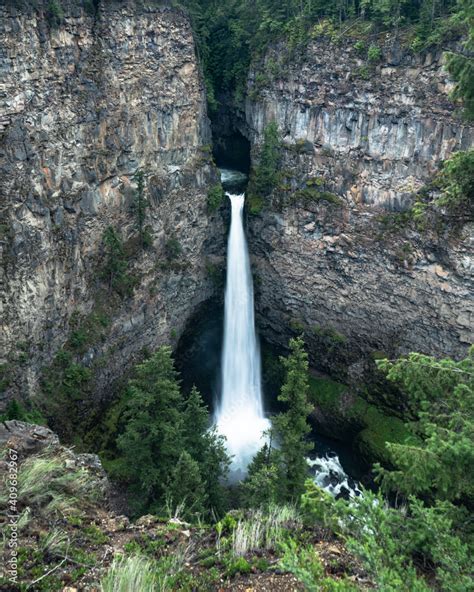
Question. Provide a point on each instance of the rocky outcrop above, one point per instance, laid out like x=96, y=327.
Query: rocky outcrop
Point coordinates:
x=333, y=270
x=374, y=132
x=84, y=104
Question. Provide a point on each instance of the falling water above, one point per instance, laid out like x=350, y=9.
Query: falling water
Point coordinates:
x=239, y=414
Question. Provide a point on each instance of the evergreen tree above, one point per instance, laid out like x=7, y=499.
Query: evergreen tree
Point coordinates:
x=439, y=461
x=152, y=442
x=139, y=207
x=115, y=265
x=461, y=65
x=261, y=485
x=265, y=175
x=186, y=493
x=291, y=428
x=207, y=448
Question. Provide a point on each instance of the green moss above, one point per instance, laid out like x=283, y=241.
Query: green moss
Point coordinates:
x=374, y=427
x=380, y=428
x=255, y=203
x=310, y=194
x=325, y=392
x=215, y=197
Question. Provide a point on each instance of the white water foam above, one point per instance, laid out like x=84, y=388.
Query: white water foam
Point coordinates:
x=330, y=476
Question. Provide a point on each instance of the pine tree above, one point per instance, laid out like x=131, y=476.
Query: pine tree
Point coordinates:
x=439, y=461
x=461, y=64
x=291, y=428
x=152, y=442
x=186, y=493
x=265, y=175
x=115, y=265
x=139, y=207
x=261, y=486
x=207, y=448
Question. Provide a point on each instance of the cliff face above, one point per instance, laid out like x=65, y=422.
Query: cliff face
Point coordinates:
x=335, y=271
x=375, y=132
x=84, y=105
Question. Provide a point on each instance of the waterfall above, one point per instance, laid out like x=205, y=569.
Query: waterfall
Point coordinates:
x=239, y=414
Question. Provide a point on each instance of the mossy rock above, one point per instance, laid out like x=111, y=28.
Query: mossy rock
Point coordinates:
x=352, y=418
x=380, y=429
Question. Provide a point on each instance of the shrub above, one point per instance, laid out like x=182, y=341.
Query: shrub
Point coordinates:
x=173, y=248
x=310, y=194
x=456, y=181
x=359, y=46
x=215, y=197
x=374, y=53
x=16, y=410
x=115, y=264
x=54, y=12
x=264, y=176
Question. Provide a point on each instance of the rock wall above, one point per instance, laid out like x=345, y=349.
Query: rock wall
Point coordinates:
x=375, y=132
x=334, y=271
x=84, y=104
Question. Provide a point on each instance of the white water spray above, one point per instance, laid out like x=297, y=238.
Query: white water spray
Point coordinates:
x=239, y=414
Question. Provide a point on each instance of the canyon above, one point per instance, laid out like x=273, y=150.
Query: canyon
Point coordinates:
x=88, y=102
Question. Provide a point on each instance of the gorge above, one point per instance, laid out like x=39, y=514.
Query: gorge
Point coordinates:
x=134, y=270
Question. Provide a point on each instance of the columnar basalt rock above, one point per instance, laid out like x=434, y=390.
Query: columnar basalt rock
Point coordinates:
x=85, y=104
x=333, y=271
x=375, y=132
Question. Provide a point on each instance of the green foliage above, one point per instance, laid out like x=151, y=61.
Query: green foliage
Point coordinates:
x=115, y=264
x=461, y=65
x=427, y=524
x=186, y=489
x=374, y=53
x=291, y=427
x=87, y=331
x=237, y=565
x=308, y=568
x=231, y=34
x=264, y=176
x=262, y=485
x=442, y=393
x=50, y=488
x=148, y=446
x=54, y=12
x=173, y=248
x=166, y=454
x=263, y=529
x=215, y=197
x=139, y=206
x=16, y=410
x=373, y=427
x=309, y=194
x=456, y=181
x=94, y=535
x=66, y=386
